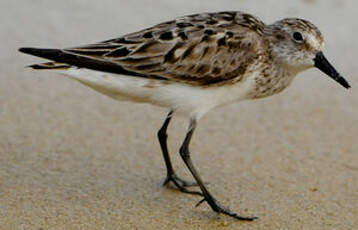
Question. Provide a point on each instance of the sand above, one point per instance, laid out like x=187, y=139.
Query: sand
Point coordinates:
x=71, y=158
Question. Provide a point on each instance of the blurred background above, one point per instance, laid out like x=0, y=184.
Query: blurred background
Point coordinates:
x=71, y=158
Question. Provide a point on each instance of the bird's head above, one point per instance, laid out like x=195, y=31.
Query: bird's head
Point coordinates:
x=297, y=44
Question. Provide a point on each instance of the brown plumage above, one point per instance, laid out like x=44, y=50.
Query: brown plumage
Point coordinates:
x=189, y=49
x=193, y=64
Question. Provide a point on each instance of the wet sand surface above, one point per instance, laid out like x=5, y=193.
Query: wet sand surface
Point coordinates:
x=71, y=158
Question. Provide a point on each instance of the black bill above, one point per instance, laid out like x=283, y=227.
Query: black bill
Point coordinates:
x=322, y=63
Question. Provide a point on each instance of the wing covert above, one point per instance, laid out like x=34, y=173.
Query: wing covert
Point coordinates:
x=201, y=49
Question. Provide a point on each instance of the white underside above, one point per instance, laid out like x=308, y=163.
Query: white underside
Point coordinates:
x=189, y=100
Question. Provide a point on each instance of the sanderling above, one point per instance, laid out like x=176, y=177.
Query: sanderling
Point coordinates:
x=193, y=64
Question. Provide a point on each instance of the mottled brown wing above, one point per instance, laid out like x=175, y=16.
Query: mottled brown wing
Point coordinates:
x=199, y=49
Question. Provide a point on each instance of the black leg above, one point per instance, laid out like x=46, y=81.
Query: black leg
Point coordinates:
x=214, y=204
x=171, y=176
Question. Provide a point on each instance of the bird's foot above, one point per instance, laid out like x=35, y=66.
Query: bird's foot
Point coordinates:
x=215, y=205
x=181, y=184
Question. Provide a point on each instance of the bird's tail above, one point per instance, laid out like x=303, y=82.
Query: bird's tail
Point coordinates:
x=51, y=54
x=49, y=66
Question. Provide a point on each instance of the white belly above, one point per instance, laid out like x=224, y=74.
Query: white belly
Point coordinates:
x=193, y=101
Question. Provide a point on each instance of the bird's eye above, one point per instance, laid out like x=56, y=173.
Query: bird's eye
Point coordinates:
x=297, y=36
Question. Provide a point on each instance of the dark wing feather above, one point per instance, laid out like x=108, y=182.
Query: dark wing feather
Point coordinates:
x=200, y=49
x=62, y=57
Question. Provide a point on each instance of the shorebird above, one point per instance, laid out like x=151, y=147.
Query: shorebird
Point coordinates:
x=193, y=64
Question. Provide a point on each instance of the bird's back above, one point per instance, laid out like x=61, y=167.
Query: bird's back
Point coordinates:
x=201, y=49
